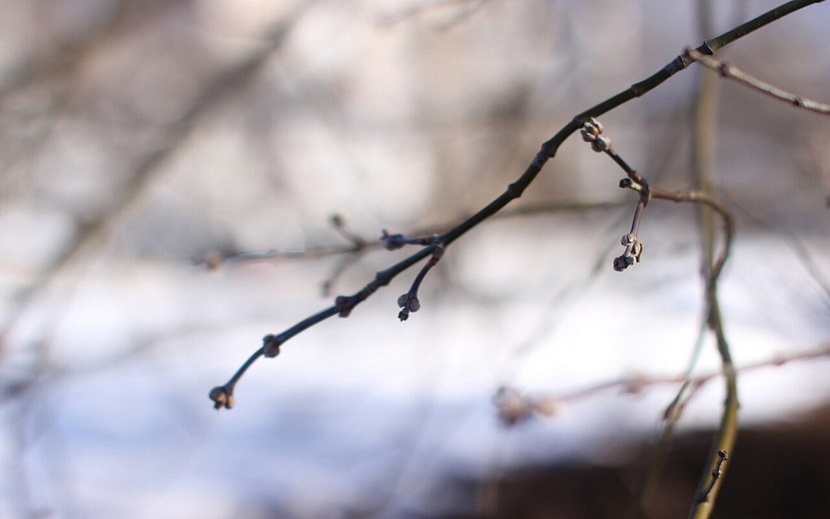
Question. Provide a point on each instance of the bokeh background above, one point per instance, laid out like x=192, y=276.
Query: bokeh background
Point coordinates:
x=143, y=140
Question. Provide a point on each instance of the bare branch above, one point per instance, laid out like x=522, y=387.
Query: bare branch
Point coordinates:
x=345, y=304
x=732, y=72
x=510, y=402
x=703, y=496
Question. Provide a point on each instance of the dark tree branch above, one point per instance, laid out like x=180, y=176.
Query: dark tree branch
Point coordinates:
x=222, y=395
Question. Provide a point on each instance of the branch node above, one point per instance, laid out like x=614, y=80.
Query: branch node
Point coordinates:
x=397, y=241
x=639, y=186
x=271, y=346
x=344, y=306
x=716, y=475
x=512, y=406
x=392, y=241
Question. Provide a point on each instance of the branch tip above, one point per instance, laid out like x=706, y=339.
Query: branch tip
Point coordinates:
x=409, y=303
x=632, y=253
x=222, y=396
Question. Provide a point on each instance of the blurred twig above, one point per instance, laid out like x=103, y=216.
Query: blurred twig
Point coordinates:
x=147, y=171
x=791, y=238
x=515, y=407
x=357, y=245
x=464, y=9
x=702, y=173
x=62, y=67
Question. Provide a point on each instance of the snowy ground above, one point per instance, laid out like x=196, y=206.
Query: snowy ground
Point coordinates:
x=369, y=411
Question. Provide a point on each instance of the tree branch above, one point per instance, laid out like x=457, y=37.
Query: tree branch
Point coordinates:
x=343, y=305
x=732, y=72
x=514, y=406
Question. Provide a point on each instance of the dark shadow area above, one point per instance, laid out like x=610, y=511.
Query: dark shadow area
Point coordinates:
x=777, y=472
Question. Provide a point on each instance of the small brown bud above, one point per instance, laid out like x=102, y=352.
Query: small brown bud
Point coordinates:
x=221, y=397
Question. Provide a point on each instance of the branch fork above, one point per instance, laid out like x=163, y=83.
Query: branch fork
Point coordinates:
x=592, y=133
x=409, y=302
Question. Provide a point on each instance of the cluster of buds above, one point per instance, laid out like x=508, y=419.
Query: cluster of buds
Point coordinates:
x=408, y=303
x=592, y=132
x=631, y=254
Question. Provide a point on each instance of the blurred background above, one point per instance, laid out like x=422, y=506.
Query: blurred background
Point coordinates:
x=145, y=144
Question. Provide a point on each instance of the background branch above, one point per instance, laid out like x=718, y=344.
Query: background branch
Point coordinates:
x=703, y=178
x=515, y=406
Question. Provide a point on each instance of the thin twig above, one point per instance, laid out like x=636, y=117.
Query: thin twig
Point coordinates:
x=796, y=243
x=465, y=8
x=519, y=406
x=713, y=203
x=671, y=417
x=705, y=135
x=737, y=75
x=147, y=171
x=216, y=259
x=592, y=133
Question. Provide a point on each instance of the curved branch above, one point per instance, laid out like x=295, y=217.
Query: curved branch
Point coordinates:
x=343, y=305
